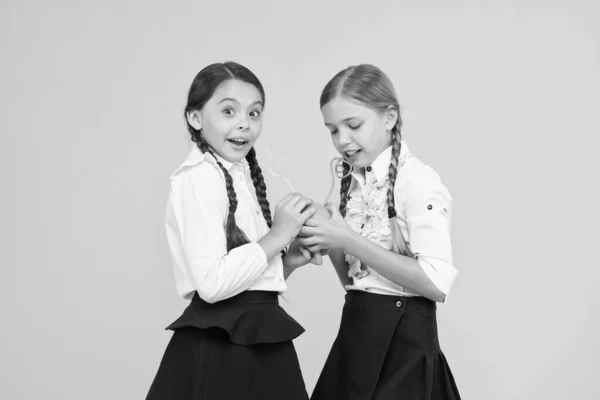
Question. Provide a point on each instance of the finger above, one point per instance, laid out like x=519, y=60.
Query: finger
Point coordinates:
x=311, y=222
x=307, y=242
x=305, y=253
x=308, y=206
x=302, y=235
x=295, y=198
x=314, y=248
x=333, y=209
x=301, y=205
x=307, y=231
x=309, y=212
x=288, y=198
x=316, y=262
x=318, y=259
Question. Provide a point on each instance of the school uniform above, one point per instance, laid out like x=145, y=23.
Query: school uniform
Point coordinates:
x=387, y=346
x=233, y=341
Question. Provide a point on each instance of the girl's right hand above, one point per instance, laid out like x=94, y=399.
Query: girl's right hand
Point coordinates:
x=290, y=214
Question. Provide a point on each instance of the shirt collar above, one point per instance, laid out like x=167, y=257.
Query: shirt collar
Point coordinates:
x=381, y=166
x=195, y=156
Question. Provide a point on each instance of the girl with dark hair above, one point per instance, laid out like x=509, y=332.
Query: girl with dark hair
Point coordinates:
x=389, y=241
x=233, y=341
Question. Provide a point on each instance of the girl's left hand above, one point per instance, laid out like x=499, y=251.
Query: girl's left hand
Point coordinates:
x=297, y=256
x=317, y=234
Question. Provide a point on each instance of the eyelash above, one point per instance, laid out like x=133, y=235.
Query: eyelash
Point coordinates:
x=349, y=126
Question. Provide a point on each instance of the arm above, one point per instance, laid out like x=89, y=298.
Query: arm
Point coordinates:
x=200, y=208
x=338, y=260
x=402, y=270
x=428, y=217
x=428, y=208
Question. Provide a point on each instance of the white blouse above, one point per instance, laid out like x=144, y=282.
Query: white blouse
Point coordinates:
x=195, y=219
x=423, y=205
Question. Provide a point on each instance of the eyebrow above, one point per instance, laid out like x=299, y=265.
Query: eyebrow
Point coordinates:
x=235, y=101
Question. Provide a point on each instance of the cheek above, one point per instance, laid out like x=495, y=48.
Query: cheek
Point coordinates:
x=371, y=138
x=216, y=127
x=336, y=141
x=257, y=126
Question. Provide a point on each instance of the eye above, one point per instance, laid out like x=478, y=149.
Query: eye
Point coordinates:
x=228, y=111
x=333, y=131
x=255, y=114
x=354, y=127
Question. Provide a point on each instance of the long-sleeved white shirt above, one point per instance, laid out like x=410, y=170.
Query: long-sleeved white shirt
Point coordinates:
x=423, y=205
x=197, y=210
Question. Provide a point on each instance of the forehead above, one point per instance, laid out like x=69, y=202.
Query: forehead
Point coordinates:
x=342, y=107
x=240, y=91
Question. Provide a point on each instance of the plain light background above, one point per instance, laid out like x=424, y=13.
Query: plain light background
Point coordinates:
x=500, y=97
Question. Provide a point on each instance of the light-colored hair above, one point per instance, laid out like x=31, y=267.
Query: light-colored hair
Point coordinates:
x=371, y=87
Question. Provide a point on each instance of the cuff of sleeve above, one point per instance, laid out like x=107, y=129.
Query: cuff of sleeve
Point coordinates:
x=440, y=273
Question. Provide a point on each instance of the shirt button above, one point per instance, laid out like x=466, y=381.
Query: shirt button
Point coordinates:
x=369, y=169
x=398, y=304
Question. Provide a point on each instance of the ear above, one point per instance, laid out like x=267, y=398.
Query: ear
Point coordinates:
x=391, y=117
x=194, y=118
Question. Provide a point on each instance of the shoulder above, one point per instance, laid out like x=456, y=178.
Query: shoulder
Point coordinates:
x=417, y=180
x=198, y=169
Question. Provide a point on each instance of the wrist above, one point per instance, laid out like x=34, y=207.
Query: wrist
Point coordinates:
x=346, y=240
x=281, y=236
x=287, y=269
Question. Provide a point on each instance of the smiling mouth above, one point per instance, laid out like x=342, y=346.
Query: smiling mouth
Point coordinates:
x=238, y=142
x=351, y=153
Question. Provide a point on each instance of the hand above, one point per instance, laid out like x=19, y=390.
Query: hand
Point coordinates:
x=290, y=214
x=297, y=256
x=321, y=213
x=319, y=234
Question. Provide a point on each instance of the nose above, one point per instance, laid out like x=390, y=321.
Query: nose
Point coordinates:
x=243, y=124
x=343, y=137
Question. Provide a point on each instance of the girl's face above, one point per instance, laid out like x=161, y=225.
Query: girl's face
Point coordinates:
x=231, y=120
x=359, y=133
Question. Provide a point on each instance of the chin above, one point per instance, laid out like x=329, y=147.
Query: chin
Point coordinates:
x=235, y=156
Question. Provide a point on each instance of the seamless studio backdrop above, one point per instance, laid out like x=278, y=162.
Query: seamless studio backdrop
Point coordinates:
x=501, y=98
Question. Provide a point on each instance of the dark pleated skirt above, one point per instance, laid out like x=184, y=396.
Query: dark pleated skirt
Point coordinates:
x=239, y=348
x=387, y=349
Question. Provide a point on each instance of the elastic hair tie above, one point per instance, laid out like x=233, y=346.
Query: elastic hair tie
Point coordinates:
x=391, y=212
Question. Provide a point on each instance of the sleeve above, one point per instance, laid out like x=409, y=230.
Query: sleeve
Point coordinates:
x=428, y=207
x=200, y=207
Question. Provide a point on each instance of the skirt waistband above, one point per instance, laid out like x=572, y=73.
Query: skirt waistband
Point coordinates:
x=398, y=303
x=247, y=297
x=249, y=318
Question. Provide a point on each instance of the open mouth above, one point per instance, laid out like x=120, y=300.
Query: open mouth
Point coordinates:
x=238, y=142
x=351, y=153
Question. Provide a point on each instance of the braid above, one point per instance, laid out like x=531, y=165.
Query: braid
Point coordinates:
x=393, y=171
x=344, y=188
x=399, y=244
x=235, y=236
x=259, y=186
